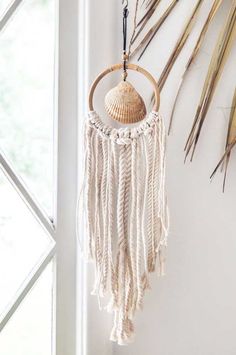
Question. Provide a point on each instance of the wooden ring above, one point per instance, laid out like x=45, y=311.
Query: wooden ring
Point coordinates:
x=131, y=67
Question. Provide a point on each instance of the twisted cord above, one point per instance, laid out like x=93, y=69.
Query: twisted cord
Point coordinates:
x=116, y=171
x=127, y=285
x=150, y=231
x=104, y=211
x=127, y=190
x=120, y=223
x=113, y=335
x=144, y=212
x=139, y=237
x=88, y=188
x=163, y=212
x=97, y=232
x=111, y=181
x=157, y=183
x=132, y=242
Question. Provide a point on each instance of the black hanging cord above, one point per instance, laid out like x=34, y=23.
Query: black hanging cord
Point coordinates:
x=125, y=56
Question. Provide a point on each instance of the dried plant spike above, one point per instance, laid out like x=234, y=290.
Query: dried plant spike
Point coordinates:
x=140, y=30
x=151, y=8
x=124, y=104
x=215, y=7
x=230, y=141
x=153, y=30
x=150, y=3
x=142, y=23
x=134, y=26
x=231, y=134
x=179, y=45
x=219, y=58
x=225, y=155
x=211, y=15
x=227, y=151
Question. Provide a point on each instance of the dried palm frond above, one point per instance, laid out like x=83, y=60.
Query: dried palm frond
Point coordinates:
x=219, y=58
x=149, y=11
x=144, y=20
x=211, y=15
x=134, y=26
x=149, y=3
x=179, y=45
x=153, y=30
x=230, y=141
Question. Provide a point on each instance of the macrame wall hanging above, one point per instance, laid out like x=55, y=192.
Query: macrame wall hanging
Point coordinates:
x=125, y=198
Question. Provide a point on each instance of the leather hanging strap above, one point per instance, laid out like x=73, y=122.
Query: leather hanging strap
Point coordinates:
x=125, y=56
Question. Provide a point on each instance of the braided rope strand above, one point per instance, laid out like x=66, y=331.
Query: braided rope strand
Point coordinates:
x=120, y=223
x=89, y=191
x=132, y=238
x=98, y=223
x=104, y=212
x=139, y=303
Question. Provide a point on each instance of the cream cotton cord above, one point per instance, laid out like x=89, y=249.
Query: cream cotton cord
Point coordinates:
x=126, y=213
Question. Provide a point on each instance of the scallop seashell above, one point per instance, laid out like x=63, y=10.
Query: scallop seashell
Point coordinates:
x=124, y=104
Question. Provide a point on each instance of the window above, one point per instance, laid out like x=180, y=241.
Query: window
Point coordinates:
x=38, y=176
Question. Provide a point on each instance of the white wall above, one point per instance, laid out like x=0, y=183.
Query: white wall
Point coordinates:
x=192, y=310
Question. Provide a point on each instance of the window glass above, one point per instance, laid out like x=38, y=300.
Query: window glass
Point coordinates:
x=3, y=6
x=27, y=95
x=29, y=331
x=22, y=242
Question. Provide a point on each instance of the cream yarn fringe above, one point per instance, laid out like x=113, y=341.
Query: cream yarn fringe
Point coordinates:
x=126, y=212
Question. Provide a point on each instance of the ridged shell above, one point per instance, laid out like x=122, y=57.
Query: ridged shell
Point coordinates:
x=124, y=104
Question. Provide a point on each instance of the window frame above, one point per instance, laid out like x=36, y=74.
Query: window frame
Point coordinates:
x=67, y=178
x=62, y=226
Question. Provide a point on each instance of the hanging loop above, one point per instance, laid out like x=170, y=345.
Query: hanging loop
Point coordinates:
x=130, y=67
x=125, y=56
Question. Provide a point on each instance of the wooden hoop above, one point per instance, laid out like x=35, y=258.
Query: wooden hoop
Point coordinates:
x=131, y=67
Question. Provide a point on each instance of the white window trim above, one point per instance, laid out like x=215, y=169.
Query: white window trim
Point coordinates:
x=62, y=229
x=66, y=133
x=82, y=296
x=8, y=13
